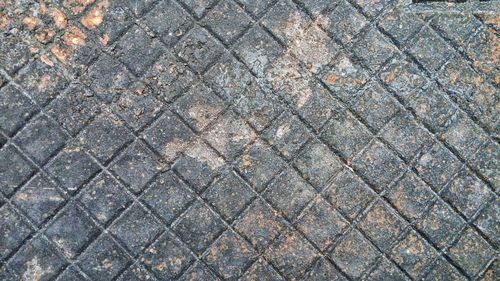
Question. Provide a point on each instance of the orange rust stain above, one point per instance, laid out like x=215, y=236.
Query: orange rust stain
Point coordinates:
x=45, y=59
x=74, y=37
x=104, y=40
x=331, y=79
x=60, y=18
x=60, y=53
x=45, y=35
x=30, y=22
x=4, y=22
x=95, y=17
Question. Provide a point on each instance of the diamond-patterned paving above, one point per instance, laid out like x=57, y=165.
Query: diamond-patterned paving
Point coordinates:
x=249, y=140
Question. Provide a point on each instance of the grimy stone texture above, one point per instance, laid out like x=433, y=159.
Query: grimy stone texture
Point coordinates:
x=249, y=140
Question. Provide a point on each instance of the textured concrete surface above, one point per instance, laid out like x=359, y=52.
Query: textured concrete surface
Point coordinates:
x=249, y=140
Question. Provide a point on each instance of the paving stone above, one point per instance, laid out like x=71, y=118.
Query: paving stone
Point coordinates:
x=260, y=224
x=321, y=223
x=259, y=107
x=261, y=270
x=467, y=193
x=137, y=50
x=386, y=270
x=288, y=134
x=199, y=165
x=72, y=168
x=41, y=81
x=136, y=273
x=105, y=197
x=169, y=77
x=14, y=169
x=137, y=106
x=456, y=28
x=36, y=259
x=346, y=22
x=198, y=227
x=437, y=166
x=229, y=255
x=199, y=49
x=103, y=259
x=344, y=76
x=375, y=8
x=324, y=270
x=459, y=78
x=441, y=224
x=318, y=164
x=136, y=228
x=107, y=20
x=486, y=221
x=486, y=161
x=414, y=254
x=349, y=194
x=74, y=108
x=411, y=196
x=105, y=136
x=199, y=271
x=107, y=77
x=379, y=165
x=479, y=49
x=374, y=104
x=258, y=49
x=319, y=107
x=316, y=8
x=471, y=252
x=15, y=53
x=402, y=77
x=374, y=49
x=229, y=135
x=406, y=136
x=227, y=20
x=168, y=135
x=443, y=270
x=354, y=254
x=284, y=19
x=39, y=199
x=167, y=196
x=382, y=225
x=259, y=164
x=70, y=274
x=228, y=77
x=167, y=257
x=72, y=231
x=229, y=195
x=400, y=25
x=238, y=139
x=432, y=107
x=199, y=8
x=256, y=8
x=432, y=58
x=289, y=193
x=169, y=21
x=199, y=106
x=40, y=139
x=136, y=166
x=291, y=254
x=15, y=230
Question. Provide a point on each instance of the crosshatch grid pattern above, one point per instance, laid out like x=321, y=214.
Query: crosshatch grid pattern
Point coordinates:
x=132, y=185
